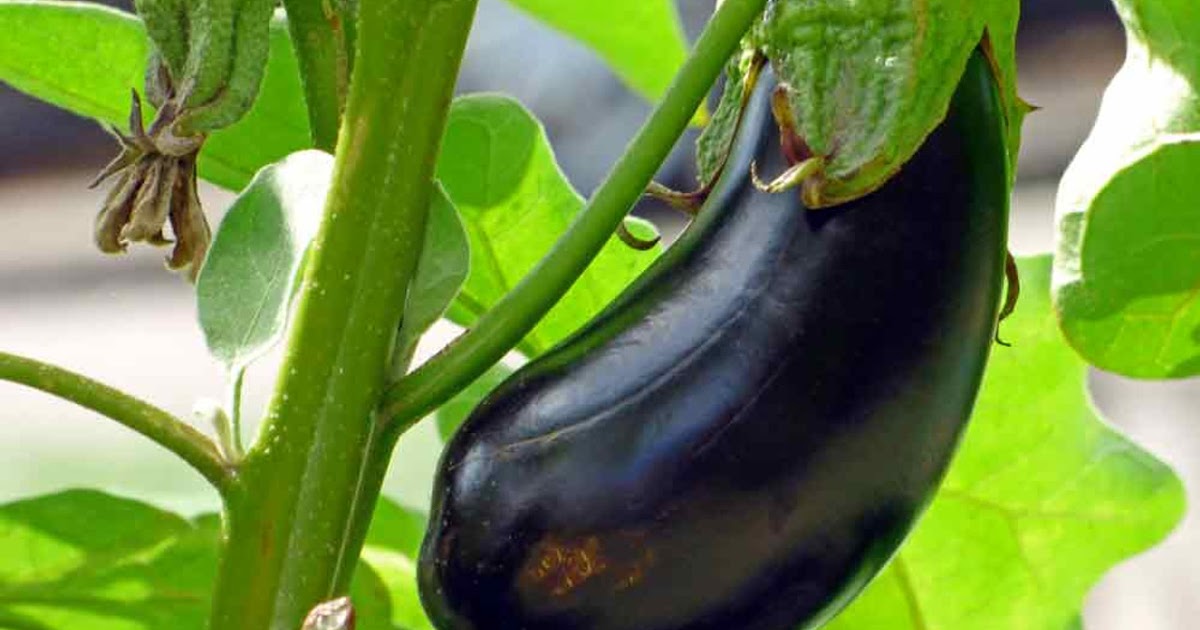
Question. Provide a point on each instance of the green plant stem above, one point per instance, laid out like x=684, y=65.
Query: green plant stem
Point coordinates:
x=160, y=426
x=318, y=31
x=502, y=327
x=292, y=539
x=236, y=380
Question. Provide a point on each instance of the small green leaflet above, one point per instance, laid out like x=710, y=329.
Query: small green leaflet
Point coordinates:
x=247, y=286
x=1042, y=498
x=642, y=40
x=247, y=283
x=441, y=270
x=1127, y=271
x=499, y=170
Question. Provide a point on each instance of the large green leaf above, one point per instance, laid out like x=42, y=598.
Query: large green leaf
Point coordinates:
x=1127, y=273
x=1041, y=500
x=86, y=57
x=83, y=560
x=499, y=171
x=642, y=40
x=245, y=289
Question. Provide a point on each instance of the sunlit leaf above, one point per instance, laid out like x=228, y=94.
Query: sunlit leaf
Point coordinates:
x=1041, y=500
x=499, y=171
x=245, y=289
x=1127, y=271
x=85, y=560
x=642, y=40
x=89, y=561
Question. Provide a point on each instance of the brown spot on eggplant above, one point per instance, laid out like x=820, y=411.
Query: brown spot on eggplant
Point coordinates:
x=745, y=436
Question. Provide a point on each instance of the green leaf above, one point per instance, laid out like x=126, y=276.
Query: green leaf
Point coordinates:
x=441, y=271
x=110, y=55
x=86, y=560
x=1127, y=272
x=454, y=411
x=1042, y=498
x=86, y=57
x=393, y=544
x=499, y=170
x=371, y=598
x=89, y=561
x=245, y=288
x=642, y=40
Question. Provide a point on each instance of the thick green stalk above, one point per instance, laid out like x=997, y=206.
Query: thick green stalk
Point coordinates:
x=501, y=328
x=291, y=535
x=319, y=31
x=160, y=426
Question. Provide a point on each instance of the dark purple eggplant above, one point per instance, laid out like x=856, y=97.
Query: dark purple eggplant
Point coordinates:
x=745, y=436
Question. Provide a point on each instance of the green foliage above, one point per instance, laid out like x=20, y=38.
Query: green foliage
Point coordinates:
x=86, y=560
x=89, y=561
x=641, y=40
x=111, y=58
x=496, y=165
x=244, y=291
x=441, y=271
x=95, y=84
x=1042, y=498
x=499, y=169
x=1127, y=270
x=391, y=551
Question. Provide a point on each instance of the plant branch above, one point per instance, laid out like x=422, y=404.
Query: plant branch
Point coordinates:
x=293, y=536
x=160, y=426
x=319, y=34
x=509, y=320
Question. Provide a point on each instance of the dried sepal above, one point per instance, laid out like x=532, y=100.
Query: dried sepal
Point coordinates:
x=151, y=206
x=118, y=207
x=192, y=234
x=156, y=183
x=206, y=64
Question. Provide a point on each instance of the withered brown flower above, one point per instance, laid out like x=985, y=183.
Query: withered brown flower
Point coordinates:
x=155, y=183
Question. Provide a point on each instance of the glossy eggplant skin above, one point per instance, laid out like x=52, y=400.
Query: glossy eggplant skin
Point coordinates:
x=743, y=439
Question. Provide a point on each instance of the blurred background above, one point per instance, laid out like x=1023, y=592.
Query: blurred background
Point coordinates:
x=127, y=322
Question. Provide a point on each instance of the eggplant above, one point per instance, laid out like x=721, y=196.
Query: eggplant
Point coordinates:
x=745, y=436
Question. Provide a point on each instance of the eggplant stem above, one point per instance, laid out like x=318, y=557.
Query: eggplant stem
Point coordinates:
x=789, y=179
x=1012, y=294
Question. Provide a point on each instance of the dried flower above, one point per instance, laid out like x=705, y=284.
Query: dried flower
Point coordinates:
x=155, y=183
